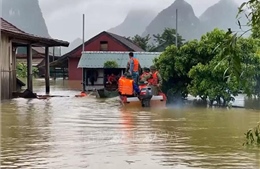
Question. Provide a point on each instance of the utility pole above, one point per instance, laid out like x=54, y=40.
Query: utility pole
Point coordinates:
x=83, y=49
x=176, y=36
x=83, y=33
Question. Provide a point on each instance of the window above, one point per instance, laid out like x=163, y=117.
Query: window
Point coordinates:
x=103, y=46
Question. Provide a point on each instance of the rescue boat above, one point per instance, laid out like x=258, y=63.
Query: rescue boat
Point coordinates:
x=144, y=99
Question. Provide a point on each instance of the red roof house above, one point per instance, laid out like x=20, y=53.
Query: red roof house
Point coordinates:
x=104, y=41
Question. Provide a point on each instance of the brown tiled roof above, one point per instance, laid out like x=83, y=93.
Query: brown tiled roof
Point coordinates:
x=13, y=31
x=126, y=42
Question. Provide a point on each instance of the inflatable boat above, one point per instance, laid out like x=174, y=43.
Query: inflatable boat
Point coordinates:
x=144, y=99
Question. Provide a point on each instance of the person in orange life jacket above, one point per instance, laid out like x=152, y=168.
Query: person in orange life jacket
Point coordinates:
x=120, y=83
x=156, y=81
x=134, y=67
x=127, y=86
x=82, y=94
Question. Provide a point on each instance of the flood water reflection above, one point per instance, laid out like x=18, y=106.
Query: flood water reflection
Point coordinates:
x=69, y=132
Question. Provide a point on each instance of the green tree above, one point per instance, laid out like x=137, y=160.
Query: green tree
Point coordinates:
x=219, y=83
x=110, y=64
x=229, y=44
x=174, y=64
x=209, y=83
x=21, y=70
x=142, y=42
x=167, y=38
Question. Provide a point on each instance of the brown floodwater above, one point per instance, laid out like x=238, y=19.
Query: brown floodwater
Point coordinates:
x=74, y=133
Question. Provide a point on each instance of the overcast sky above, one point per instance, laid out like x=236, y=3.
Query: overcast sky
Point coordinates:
x=64, y=17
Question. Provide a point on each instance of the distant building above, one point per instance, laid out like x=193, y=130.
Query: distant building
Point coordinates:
x=104, y=41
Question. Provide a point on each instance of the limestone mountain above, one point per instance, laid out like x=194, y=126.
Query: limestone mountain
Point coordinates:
x=72, y=46
x=188, y=23
x=26, y=15
x=134, y=23
x=221, y=15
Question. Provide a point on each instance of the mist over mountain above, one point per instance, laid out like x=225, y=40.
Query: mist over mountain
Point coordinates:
x=134, y=23
x=26, y=15
x=72, y=46
x=188, y=23
x=221, y=15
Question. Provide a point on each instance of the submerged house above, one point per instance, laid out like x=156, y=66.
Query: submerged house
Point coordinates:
x=104, y=41
x=12, y=38
x=92, y=63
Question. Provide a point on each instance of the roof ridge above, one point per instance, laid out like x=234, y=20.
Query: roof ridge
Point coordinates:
x=134, y=47
x=12, y=25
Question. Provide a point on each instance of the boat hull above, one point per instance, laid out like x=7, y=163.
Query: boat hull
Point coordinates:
x=103, y=93
x=156, y=101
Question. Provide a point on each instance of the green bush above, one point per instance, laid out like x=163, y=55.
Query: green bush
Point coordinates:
x=253, y=136
x=111, y=64
x=21, y=70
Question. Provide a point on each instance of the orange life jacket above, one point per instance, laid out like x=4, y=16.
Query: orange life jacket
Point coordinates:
x=121, y=83
x=136, y=64
x=126, y=86
x=154, y=80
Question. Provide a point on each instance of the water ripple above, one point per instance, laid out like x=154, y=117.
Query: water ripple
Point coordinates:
x=89, y=133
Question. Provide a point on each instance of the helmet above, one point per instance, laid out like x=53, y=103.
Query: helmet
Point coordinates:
x=146, y=69
x=152, y=67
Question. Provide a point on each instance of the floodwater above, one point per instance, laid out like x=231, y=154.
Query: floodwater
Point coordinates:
x=74, y=133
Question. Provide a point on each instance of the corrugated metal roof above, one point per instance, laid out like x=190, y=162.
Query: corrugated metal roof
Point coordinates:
x=97, y=59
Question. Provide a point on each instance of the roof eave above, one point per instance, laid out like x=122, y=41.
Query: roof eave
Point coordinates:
x=35, y=40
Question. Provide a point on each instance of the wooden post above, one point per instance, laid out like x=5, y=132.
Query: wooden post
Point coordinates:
x=29, y=68
x=84, y=79
x=14, y=69
x=47, y=70
x=54, y=72
x=63, y=73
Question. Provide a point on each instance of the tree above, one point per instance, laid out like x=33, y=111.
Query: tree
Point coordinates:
x=142, y=42
x=174, y=64
x=229, y=44
x=208, y=83
x=21, y=70
x=167, y=38
x=254, y=14
x=218, y=83
x=110, y=64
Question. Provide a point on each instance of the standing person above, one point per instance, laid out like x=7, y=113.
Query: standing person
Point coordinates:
x=156, y=81
x=134, y=67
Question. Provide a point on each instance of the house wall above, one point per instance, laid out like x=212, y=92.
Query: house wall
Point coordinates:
x=113, y=45
x=6, y=68
x=75, y=73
